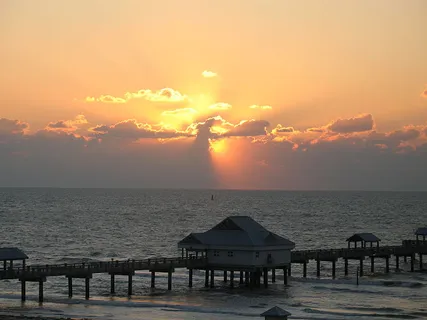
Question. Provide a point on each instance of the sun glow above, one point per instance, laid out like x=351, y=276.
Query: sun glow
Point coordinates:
x=217, y=145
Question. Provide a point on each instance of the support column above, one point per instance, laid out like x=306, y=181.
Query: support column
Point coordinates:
x=372, y=264
x=318, y=268
x=346, y=266
x=129, y=284
x=87, y=288
x=170, y=280
x=405, y=259
x=412, y=262
x=285, y=276
x=241, y=277
x=225, y=275
x=232, y=279
x=190, y=278
x=113, y=290
x=304, y=269
x=40, y=291
x=23, y=290
x=212, y=278
x=421, y=261
x=273, y=275
x=290, y=270
x=153, y=279
x=206, y=278
x=387, y=264
x=4, y=265
x=70, y=287
x=333, y=269
x=265, y=274
x=247, y=278
x=361, y=266
x=397, y=263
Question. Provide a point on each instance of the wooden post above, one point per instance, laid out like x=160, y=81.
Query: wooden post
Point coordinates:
x=304, y=269
x=129, y=284
x=112, y=284
x=41, y=291
x=23, y=297
x=87, y=288
x=290, y=270
x=318, y=267
x=70, y=287
x=346, y=266
x=361, y=266
x=273, y=275
x=4, y=265
x=170, y=280
x=285, y=276
x=247, y=277
x=153, y=279
x=241, y=277
x=387, y=264
x=397, y=263
x=412, y=262
x=232, y=279
x=212, y=278
x=404, y=259
x=333, y=269
x=206, y=278
x=225, y=275
x=421, y=261
x=372, y=264
x=265, y=274
x=190, y=278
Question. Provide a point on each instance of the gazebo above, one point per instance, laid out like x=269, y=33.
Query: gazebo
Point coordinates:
x=363, y=238
x=421, y=232
x=10, y=255
x=275, y=313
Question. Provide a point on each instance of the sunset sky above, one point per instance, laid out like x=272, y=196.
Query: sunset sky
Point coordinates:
x=242, y=94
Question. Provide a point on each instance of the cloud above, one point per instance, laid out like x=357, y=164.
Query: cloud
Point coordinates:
x=133, y=130
x=281, y=129
x=208, y=74
x=9, y=127
x=424, y=93
x=265, y=107
x=179, y=112
x=359, y=123
x=162, y=95
x=67, y=125
x=248, y=128
x=220, y=106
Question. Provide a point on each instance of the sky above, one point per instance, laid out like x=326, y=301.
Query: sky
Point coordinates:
x=242, y=94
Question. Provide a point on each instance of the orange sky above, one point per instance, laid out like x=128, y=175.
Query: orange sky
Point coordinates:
x=267, y=70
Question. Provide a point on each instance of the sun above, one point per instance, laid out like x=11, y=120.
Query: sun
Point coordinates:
x=217, y=145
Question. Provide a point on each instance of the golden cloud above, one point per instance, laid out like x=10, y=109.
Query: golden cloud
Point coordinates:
x=179, y=112
x=220, y=106
x=265, y=107
x=208, y=74
x=162, y=95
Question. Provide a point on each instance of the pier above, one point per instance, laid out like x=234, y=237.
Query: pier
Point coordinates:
x=39, y=273
x=236, y=246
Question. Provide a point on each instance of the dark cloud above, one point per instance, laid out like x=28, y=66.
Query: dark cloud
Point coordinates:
x=59, y=125
x=8, y=126
x=248, y=128
x=357, y=124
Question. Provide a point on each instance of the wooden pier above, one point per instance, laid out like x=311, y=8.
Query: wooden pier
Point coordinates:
x=251, y=278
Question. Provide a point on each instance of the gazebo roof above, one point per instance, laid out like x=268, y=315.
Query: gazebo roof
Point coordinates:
x=421, y=231
x=275, y=312
x=366, y=237
x=237, y=231
x=7, y=254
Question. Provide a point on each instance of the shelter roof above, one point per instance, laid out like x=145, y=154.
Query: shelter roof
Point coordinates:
x=421, y=231
x=237, y=231
x=12, y=254
x=275, y=312
x=366, y=237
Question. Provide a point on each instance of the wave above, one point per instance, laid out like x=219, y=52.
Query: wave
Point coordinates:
x=364, y=282
x=364, y=314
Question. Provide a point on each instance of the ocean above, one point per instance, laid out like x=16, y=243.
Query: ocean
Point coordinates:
x=75, y=225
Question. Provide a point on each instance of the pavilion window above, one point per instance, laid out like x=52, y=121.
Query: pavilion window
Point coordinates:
x=216, y=253
x=257, y=254
x=230, y=254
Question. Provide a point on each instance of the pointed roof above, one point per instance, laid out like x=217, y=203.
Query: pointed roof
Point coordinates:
x=237, y=231
x=12, y=254
x=366, y=237
x=275, y=312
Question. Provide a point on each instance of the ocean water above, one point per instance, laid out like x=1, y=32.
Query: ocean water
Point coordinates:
x=74, y=225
